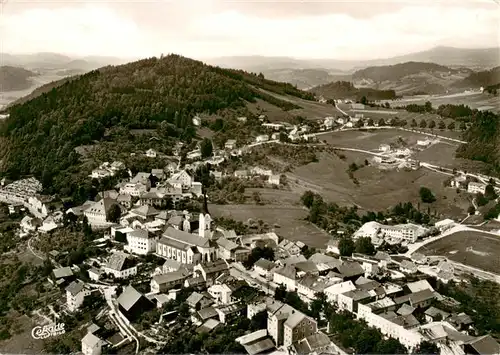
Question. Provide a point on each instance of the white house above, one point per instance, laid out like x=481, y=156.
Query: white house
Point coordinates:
x=120, y=266
x=230, y=144
x=196, y=121
x=333, y=246
x=91, y=344
x=75, y=294
x=140, y=242
x=384, y=148
x=274, y=180
x=182, y=178
x=97, y=213
x=151, y=153
x=329, y=122
x=286, y=276
x=221, y=293
x=476, y=187
x=423, y=143
x=264, y=267
x=133, y=189
x=262, y=138
x=333, y=291
x=94, y=274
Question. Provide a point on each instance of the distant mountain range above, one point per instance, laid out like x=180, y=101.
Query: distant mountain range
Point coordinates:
x=14, y=78
x=55, y=61
x=458, y=62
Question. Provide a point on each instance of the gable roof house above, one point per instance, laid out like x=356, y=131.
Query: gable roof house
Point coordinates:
x=211, y=270
x=98, y=212
x=264, y=267
x=165, y=282
x=286, y=276
x=199, y=301
x=133, y=303
x=120, y=265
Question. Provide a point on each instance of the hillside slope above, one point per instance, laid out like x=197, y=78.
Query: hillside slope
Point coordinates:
x=40, y=135
x=481, y=78
x=345, y=89
x=304, y=79
x=14, y=78
x=483, y=139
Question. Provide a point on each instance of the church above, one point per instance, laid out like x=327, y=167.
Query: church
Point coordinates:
x=187, y=247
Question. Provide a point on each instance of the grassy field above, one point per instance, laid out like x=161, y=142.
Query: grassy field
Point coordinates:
x=471, y=248
x=473, y=100
x=289, y=218
x=377, y=189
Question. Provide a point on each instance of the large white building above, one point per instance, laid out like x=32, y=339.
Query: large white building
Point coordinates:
x=140, y=242
x=476, y=187
x=91, y=344
x=75, y=294
x=408, y=232
x=97, y=213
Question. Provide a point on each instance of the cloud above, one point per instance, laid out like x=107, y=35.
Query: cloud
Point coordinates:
x=211, y=28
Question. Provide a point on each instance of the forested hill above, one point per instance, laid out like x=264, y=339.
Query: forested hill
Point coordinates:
x=483, y=139
x=483, y=78
x=399, y=71
x=40, y=135
x=345, y=89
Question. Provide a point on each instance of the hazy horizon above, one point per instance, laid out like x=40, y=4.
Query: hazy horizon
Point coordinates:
x=205, y=29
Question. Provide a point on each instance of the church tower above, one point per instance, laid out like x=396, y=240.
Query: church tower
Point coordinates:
x=205, y=224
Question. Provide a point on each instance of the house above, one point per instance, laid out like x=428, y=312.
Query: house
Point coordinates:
x=230, y=144
x=132, y=303
x=476, y=187
x=459, y=181
x=419, y=258
x=78, y=210
x=433, y=314
x=349, y=271
x=332, y=292
x=423, y=143
x=357, y=106
x=333, y=246
x=62, y=276
x=151, y=153
x=133, y=189
x=196, y=121
x=211, y=270
x=286, y=276
x=199, y=301
x=141, y=242
x=349, y=300
x=385, y=148
x=92, y=344
x=329, y=122
x=230, y=311
x=29, y=224
x=484, y=345
x=274, y=180
x=182, y=179
x=286, y=325
x=257, y=342
x=460, y=321
x=94, y=274
x=158, y=173
x=164, y=282
x=125, y=200
x=260, y=171
x=221, y=293
x=318, y=343
x=226, y=248
x=264, y=267
x=207, y=313
x=262, y=138
x=241, y=174
x=444, y=224
x=422, y=299
x=120, y=265
x=75, y=294
x=310, y=285
x=408, y=267
x=97, y=214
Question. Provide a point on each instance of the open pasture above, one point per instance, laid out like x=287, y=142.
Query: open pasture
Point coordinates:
x=291, y=220
x=476, y=249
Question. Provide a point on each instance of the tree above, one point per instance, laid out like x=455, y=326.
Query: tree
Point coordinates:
x=432, y=124
x=257, y=254
x=427, y=348
x=346, y=246
x=363, y=100
x=423, y=124
x=114, y=213
x=370, y=122
x=428, y=106
x=441, y=125
x=481, y=200
x=206, y=148
x=413, y=123
x=364, y=245
x=451, y=126
x=390, y=346
x=490, y=192
x=426, y=195
x=307, y=198
x=471, y=210
x=381, y=122
x=462, y=126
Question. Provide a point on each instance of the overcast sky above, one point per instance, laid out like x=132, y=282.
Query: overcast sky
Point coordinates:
x=211, y=28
